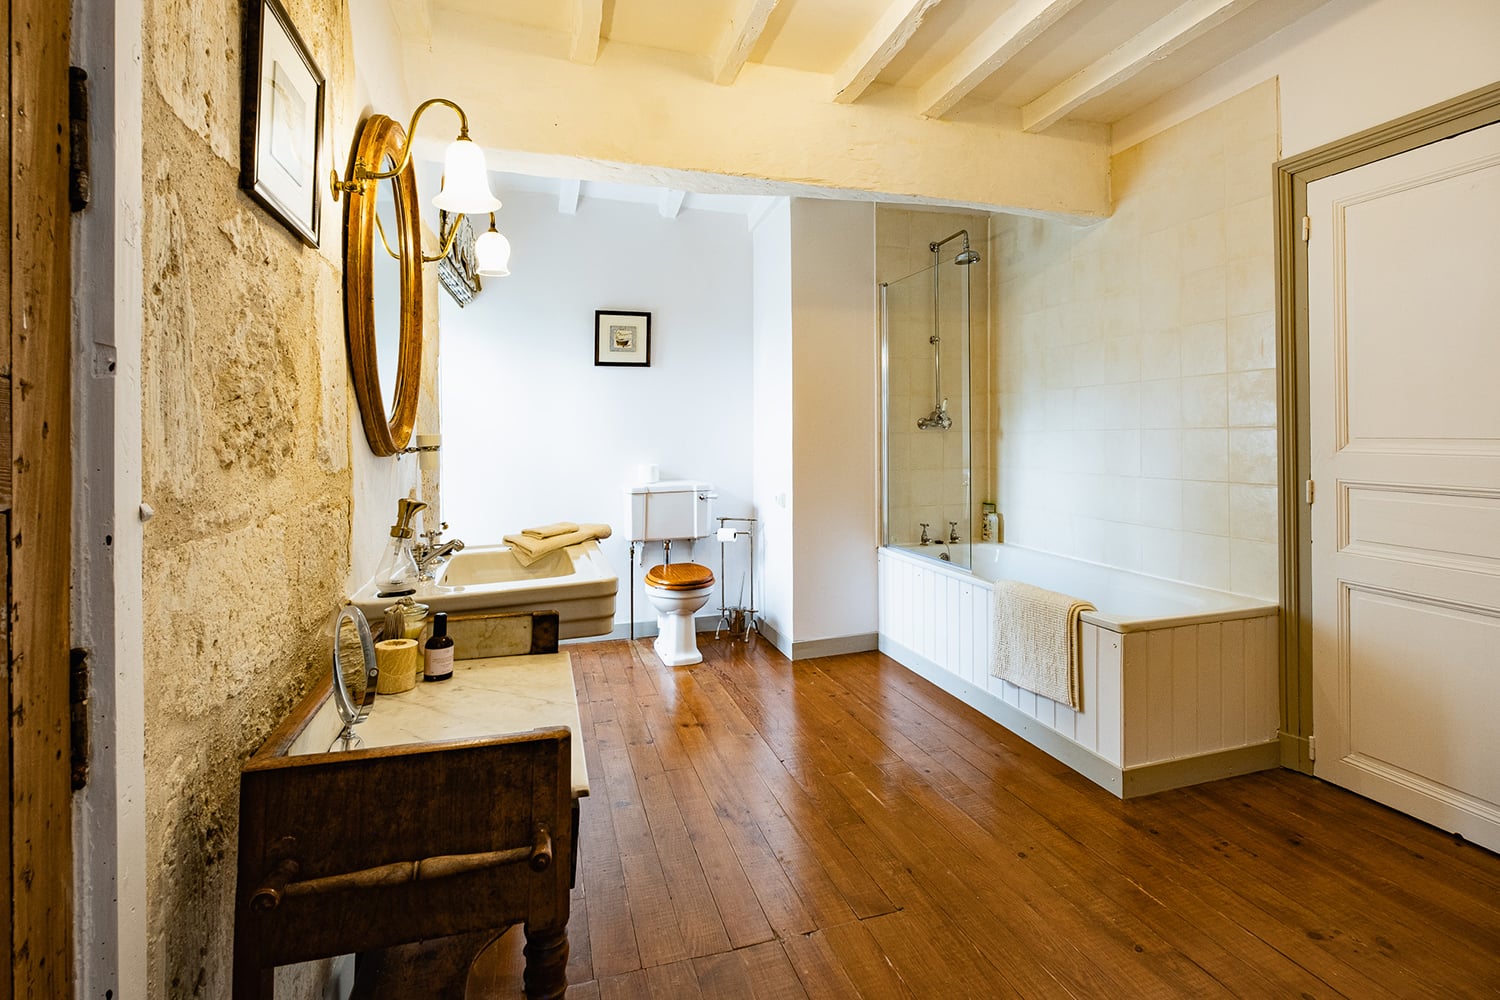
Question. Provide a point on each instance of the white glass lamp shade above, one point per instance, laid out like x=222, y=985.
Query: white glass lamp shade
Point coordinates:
x=466, y=182
x=492, y=253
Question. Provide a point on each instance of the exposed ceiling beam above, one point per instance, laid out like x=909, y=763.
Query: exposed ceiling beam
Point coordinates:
x=588, y=18
x=671, y=203
x=1017, y=28
x=567, y=196
x=414, y=20
x=1155, y=43
x=739, y=38
x=889, y=36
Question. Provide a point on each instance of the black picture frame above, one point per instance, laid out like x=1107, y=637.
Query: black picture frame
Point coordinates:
x=281, y=120
x=622, y=338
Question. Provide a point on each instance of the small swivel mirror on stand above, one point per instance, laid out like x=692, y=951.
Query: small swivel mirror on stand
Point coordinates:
x=354, y=673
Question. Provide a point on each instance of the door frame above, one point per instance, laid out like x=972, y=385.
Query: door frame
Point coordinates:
x=37, y=458
x=1470, y=111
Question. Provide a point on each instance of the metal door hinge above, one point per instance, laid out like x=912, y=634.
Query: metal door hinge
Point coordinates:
x=80, y=188
x=78, y=700
x=1312, y=748
x=1312, y=490
x=1306, y=228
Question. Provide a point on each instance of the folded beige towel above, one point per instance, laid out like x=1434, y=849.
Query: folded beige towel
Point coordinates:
x=528, y=549
x=1036, y=642
x=548, y=530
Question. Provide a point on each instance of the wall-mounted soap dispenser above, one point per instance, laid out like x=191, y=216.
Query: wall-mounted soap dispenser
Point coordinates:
x=397, y=575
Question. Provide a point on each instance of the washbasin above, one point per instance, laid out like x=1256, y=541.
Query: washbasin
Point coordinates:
x=478, y=567
x=575, y=582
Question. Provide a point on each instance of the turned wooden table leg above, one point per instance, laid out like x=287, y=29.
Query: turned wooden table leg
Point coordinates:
x=546, y=954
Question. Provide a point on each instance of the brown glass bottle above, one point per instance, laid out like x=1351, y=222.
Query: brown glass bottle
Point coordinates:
x=437, y=655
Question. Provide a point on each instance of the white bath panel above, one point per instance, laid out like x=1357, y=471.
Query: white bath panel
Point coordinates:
x=1180, y=690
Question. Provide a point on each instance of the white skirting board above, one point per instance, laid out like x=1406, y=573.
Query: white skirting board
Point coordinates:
x=807, y=649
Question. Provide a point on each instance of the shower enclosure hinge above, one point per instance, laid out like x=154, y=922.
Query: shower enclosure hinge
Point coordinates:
x=1311, y=490
x=1306, y=228
x=78, y=718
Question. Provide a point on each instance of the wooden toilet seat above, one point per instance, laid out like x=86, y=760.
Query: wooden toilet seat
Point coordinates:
x=679, y=576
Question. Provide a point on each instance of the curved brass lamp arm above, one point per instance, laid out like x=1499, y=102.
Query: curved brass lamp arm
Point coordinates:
x=380, y=228
x=361, y=174
x=447, y=242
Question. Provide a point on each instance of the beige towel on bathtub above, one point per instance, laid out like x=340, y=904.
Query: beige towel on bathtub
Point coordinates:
x=1036, y=641
x=528, y=549
x=548, y=530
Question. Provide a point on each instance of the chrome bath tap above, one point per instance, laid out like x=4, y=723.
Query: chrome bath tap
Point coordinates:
x=952, y=532
x=429, y=553
x=926, y=539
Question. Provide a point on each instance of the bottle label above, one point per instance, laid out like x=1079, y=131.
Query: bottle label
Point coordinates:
x=437, y=664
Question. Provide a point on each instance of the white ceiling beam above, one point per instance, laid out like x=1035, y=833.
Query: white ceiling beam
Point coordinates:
x=739, y=39
x=588, y=19
x=1017, y=28
x=1152, y=45
x=671, y=203
x=875, y=52
x=567, y=196
x=414, y=20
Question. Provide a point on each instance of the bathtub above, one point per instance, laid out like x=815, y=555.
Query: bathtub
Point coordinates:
x=575, y=582
x=1180, y=684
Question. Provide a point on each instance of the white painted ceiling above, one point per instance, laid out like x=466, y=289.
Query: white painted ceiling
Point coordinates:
x=1036, y=62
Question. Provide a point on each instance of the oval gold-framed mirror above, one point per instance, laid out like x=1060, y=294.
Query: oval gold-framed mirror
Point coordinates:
x=376, y=322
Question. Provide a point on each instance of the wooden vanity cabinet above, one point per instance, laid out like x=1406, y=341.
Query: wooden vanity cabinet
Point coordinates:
x=359, y=850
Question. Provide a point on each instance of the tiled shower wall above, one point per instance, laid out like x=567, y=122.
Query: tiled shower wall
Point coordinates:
x=1137, y=387
x=927, y=475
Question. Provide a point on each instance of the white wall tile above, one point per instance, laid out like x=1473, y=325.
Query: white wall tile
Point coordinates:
x=1252, y=455
x=1252, y=398
x=1205, y=507
x=1204, y=401
x=1205, y=454
x=1252, y=341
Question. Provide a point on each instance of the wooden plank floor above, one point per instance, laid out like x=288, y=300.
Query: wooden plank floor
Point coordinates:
x=840, y=828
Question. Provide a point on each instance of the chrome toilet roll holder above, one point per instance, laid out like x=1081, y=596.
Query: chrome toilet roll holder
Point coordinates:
x=738, y=620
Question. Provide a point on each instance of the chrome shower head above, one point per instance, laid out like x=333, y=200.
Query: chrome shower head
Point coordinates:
x=966, y=257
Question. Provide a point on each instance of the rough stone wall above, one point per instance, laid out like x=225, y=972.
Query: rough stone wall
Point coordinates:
x=246, y=460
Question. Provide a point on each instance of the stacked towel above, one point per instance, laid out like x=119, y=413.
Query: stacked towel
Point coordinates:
x=528, y=548
x=1036, y=641
x=548, y=530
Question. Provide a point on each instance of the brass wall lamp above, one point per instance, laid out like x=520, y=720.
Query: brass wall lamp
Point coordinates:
x=385, y=333
x=465, y=185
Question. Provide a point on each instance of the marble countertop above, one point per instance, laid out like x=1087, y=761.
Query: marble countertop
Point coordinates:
x=491, y=696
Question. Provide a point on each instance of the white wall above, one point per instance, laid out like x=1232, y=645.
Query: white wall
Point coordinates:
x=533, y=432
x=1348, y=66
x=772, y=447
x=834, y=428
x=379, y=88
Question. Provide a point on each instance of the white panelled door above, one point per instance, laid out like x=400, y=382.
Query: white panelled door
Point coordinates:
x=1404, y=387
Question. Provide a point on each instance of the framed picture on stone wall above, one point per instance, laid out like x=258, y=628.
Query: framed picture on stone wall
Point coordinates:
x=622, y=338
x=281, y=121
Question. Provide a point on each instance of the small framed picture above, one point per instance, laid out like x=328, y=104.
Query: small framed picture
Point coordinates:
x=458, y=272
x=281, y=123
x=622, y=338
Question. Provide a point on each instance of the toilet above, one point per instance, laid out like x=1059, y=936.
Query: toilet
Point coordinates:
x=677, y=591
x=674, y=511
